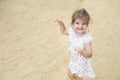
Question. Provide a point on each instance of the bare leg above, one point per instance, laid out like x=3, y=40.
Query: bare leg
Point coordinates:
x=70, y=75
x=77, y=78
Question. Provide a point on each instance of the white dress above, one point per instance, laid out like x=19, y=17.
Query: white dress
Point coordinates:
x=79, y=65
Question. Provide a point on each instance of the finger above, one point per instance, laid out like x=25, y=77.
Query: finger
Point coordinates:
x=56, y=20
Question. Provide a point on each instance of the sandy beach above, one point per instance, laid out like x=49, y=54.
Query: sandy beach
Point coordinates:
x=32, y=47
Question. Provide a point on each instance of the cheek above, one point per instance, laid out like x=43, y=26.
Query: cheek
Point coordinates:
x=74, y=26
x=85, y=27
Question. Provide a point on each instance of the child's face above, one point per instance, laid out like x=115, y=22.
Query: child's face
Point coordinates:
x=80, y=25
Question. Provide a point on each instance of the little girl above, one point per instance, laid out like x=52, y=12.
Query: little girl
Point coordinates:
x=80, y=45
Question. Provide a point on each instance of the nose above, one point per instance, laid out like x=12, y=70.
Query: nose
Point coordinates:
x=80, y=26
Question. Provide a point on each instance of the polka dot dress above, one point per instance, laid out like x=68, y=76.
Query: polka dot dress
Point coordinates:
x=79, y=65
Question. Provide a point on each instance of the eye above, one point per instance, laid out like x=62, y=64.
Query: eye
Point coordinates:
x=84, y=24
x=77, y=23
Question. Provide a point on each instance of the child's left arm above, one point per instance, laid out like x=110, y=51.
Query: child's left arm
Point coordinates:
x=86, y=52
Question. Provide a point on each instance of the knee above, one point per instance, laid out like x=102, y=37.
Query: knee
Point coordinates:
x=70, y=75
x=77, y=77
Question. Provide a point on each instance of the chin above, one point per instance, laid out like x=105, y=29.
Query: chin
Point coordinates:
x=80, y=32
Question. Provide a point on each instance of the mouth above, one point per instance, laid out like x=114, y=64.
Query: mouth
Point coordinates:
x=79, y=28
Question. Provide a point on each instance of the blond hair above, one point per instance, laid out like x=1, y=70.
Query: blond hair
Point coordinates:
x=82, y=13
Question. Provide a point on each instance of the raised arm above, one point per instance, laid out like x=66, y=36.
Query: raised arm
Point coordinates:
x=62, y=27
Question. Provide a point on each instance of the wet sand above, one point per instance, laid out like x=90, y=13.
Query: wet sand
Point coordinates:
x=32, y=47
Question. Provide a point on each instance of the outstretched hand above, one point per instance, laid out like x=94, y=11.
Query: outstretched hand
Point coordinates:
x=57, y=20
x=62, y=26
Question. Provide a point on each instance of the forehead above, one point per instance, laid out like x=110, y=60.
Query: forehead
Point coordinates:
x=81, y=20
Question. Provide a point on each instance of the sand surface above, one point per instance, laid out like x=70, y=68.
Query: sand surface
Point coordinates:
x=32, y=47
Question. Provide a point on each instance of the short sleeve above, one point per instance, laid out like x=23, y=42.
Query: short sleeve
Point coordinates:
x=88, y=39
